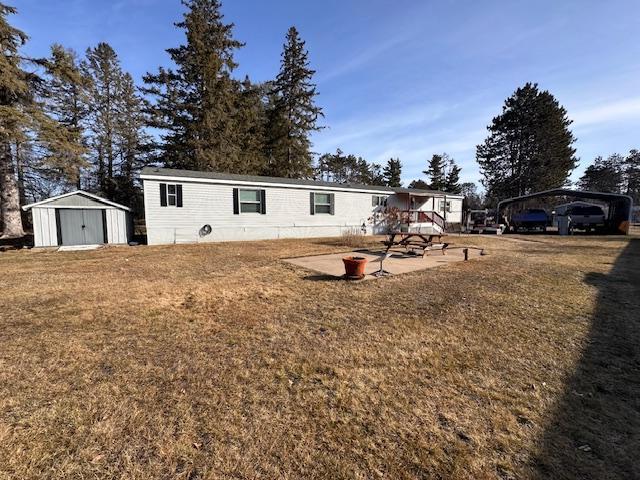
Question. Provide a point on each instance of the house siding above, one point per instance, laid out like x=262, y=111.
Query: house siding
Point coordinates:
x=287, y=213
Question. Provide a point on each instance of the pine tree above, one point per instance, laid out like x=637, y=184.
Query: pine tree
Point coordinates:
x=436, y=172
x=331, y=167
x=419, y=185
x=604, y=175
x=530, y=146
x=116, y=123
x=376, y=175
x=15, y=96
x=195, y=103
x=65, y=95
x=252, y=123
x=103, y=67
x=295, y=115
x=632, y=174
x=132, y=142
x=363, y=169
x=393, y=172
x=452, y=177
x=472, y=199
x=341, y=168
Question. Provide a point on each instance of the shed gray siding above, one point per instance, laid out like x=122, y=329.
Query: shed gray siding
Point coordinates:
x=77, y=200
x=117, y=220
x=45, y=232
x=118, y=226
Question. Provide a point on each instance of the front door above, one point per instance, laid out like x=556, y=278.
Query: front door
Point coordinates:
x=81, y=226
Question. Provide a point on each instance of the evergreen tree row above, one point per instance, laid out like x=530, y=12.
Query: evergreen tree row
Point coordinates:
x=614, y=174
x=65, y=121
x=211, y=121
x=69, y=121
x=341, y=168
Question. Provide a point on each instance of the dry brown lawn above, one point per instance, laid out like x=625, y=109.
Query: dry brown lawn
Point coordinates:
x=221, y=361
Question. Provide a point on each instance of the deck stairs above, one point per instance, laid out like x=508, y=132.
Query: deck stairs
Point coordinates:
x=420, y=221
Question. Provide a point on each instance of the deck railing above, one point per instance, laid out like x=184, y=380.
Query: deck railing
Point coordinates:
x=422, y=216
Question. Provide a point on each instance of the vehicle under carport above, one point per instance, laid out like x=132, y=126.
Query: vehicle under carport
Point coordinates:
x=618, y=217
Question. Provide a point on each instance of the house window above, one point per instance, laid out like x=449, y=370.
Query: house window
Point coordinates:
x=250, y=201
x=444, y=204
x=170, y=195
x=322, y=203
x=378, y=200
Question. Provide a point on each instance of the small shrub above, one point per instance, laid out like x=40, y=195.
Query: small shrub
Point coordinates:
x=353, y=237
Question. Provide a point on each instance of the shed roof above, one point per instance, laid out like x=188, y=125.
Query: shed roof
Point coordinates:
x=150, y=173
x=53, y=200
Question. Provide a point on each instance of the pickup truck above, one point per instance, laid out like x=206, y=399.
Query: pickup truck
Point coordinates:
x=586, y=217
x=530, y=219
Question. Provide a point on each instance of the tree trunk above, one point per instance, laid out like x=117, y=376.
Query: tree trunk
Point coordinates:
x=22, y=194
x=101, y=182
x=9, y=196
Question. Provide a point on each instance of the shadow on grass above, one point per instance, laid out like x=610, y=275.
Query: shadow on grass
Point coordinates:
x=596, y=429
x=323, y=278
x=16, y=243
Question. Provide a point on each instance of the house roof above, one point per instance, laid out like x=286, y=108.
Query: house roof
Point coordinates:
x=151, y=173
x=76, y=192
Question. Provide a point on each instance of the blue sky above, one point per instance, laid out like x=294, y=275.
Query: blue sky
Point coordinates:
x=406, y=78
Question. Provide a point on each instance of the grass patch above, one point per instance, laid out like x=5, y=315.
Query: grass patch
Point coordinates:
x=221, y=361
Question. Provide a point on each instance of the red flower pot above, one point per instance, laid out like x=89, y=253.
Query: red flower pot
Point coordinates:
x=354, y=267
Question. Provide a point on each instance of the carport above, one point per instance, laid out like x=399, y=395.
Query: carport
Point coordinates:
x=619, y=206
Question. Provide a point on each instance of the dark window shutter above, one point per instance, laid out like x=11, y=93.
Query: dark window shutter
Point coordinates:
x=263, y=200
x=236, y=202
x=163, y=194
x=178, y=195
x=313, y=206
x=332, y=200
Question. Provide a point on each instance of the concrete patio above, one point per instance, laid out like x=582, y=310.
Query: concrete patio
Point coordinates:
x=398, y=263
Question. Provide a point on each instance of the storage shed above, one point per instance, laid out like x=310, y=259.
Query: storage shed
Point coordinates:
x=79, y=218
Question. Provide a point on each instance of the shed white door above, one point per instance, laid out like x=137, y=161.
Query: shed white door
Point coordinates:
x=81, y=226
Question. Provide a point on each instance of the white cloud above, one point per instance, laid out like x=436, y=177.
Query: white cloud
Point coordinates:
x=361, y=58
x=607, y=112
x=376, y=126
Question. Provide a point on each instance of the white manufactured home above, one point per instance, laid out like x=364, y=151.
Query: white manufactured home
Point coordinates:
x=183, y=206
x=79, y=218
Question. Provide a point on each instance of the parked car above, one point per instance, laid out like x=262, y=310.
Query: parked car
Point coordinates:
x=586, y=218
x=483, y=221
x=530, y=219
